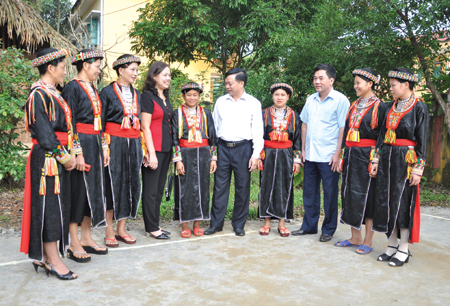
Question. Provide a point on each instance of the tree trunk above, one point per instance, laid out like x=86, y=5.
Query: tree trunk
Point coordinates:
x=59, y=15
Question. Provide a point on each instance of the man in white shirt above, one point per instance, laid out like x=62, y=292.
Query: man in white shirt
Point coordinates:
x=323, y=118
x=239, y=129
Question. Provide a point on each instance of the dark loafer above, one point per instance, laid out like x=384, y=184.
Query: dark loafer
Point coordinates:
x=160, y=236
x=325, y=238
x=301, y=232
x=212, y=230
x=239, y=231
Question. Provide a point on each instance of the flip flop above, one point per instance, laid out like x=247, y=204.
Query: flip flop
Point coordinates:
x=92, y=250
x=345, y=243
x=265, y=229
x=111, y=245
x=122, y=239
x=366, y=249
x=71, y=255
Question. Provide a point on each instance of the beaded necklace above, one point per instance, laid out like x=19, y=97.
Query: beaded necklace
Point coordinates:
x=357, y=113
x=130, y=110
x=395, y=116
x=95, y=102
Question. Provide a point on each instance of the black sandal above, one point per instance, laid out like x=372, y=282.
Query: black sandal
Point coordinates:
x=395, y=262
x=68, y=276
x=386, y=257
x=92, y=250
x=161, y=236
x=37, y=264
x=77, y=259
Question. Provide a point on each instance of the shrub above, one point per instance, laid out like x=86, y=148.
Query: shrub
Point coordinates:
x=16, y=77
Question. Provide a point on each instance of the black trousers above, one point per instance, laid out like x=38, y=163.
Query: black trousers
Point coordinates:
x=153, y=182
x=231, y=160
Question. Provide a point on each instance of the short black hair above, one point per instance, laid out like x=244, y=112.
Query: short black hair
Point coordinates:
x=408, y=71
x=79, y=64
x=330, y=71
x=43, y=68
x=371, y=71
x=241, y=74
x=125, y=66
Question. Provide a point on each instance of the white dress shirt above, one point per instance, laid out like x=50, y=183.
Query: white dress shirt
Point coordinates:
x=240, y=120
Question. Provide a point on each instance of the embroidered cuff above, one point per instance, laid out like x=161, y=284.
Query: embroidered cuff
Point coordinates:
x=105, y=146
x=297, y=157
x=62, y=156
x=213, y=150
x=262, y=155
x=341, y=160
x=418, y=167
x=375, y=159
x=76, y=149
x=144, y=147
x=177, y=154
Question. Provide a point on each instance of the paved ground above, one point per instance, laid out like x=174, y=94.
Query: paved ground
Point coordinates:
x=227, y=270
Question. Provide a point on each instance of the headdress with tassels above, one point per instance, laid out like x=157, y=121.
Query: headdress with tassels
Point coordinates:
x=281, y=85
x=126, y=60
x=375, y=78
x=41, y=60
x=86, y=55
x=192, y=85
x=403, y=76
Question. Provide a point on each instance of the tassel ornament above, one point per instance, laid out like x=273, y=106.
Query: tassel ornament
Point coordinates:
x=126, y=123
x=411, y=156
x=97, y=123
x=390, y=136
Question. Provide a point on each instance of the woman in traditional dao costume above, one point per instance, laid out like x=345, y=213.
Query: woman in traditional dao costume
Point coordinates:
x=195, y=156
x=362, y=127
x=280, y=160
x=46, y=208
x=122, y=104
x=88, y=204
x=401, y=153
x=156, y=125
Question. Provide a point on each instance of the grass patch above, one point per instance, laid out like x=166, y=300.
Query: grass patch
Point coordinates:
x=167, y=206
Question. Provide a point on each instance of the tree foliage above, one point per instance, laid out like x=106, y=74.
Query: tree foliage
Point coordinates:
x=223, y=33
x=16, y=77
x=285, y=40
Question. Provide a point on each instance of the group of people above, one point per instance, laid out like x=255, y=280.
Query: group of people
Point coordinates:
x=91, y=150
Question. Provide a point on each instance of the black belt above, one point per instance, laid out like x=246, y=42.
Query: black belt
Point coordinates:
x=233, y=144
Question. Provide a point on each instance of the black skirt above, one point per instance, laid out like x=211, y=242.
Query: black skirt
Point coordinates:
x=87, y=186
x=192, y=194
x=276, y=196
x=358, y=188
x=395, y=199
x=50, y=213
x=123, y=177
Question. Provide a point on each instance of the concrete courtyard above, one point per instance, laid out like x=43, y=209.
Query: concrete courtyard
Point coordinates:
x=224, y=269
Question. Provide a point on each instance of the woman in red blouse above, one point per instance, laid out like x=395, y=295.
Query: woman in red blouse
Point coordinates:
x=156, y=117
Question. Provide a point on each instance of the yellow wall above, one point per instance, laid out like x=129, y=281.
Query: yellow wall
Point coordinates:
x=117, y=21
